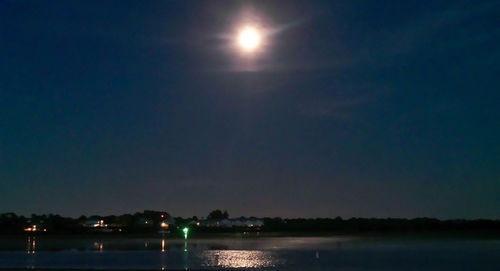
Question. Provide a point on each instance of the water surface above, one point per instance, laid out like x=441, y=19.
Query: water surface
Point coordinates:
x=280, y=253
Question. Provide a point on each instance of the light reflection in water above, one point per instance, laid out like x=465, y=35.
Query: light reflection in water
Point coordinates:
x=99, y=246
x=31, y=248
x=239, y=259
x=185, y=256
x=163, y=257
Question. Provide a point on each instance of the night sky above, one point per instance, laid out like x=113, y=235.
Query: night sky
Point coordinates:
x=349, y=108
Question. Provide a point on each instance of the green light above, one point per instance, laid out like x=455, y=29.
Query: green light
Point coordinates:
x=185, y=230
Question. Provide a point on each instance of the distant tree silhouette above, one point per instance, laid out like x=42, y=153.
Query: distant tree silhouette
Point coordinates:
x=10, y=223
x=218, y=214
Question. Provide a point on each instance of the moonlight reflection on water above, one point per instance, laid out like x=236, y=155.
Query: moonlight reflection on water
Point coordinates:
x=239, y=259
x=284, y=253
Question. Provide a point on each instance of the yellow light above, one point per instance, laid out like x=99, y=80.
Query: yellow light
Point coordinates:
x=249, y=38
x=164, y=225
x=197, y=223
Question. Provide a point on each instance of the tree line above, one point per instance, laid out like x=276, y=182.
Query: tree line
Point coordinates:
x=11, y=223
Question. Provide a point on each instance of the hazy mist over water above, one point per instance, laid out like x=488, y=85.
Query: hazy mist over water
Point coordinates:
x=283, y=253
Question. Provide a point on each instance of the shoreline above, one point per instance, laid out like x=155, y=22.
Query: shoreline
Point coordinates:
x=473, y=234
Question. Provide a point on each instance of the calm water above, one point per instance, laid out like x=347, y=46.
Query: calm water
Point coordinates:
x=283, y=253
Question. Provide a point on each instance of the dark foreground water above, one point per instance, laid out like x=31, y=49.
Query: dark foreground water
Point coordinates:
x=282, y=253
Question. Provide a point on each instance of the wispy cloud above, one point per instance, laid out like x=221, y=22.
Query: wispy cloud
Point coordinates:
x=340, y=108
x=431, y=28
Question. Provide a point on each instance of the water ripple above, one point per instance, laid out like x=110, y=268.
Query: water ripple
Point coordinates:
x=238, y=259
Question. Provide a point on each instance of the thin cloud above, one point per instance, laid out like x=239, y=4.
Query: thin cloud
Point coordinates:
x=340, y=109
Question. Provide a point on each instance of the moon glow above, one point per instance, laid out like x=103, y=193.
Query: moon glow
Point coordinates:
x=249, y=39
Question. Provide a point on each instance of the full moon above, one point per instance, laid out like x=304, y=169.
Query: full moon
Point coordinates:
x=249, y=39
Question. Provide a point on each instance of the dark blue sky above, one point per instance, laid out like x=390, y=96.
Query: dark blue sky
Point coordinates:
x=352, y=108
